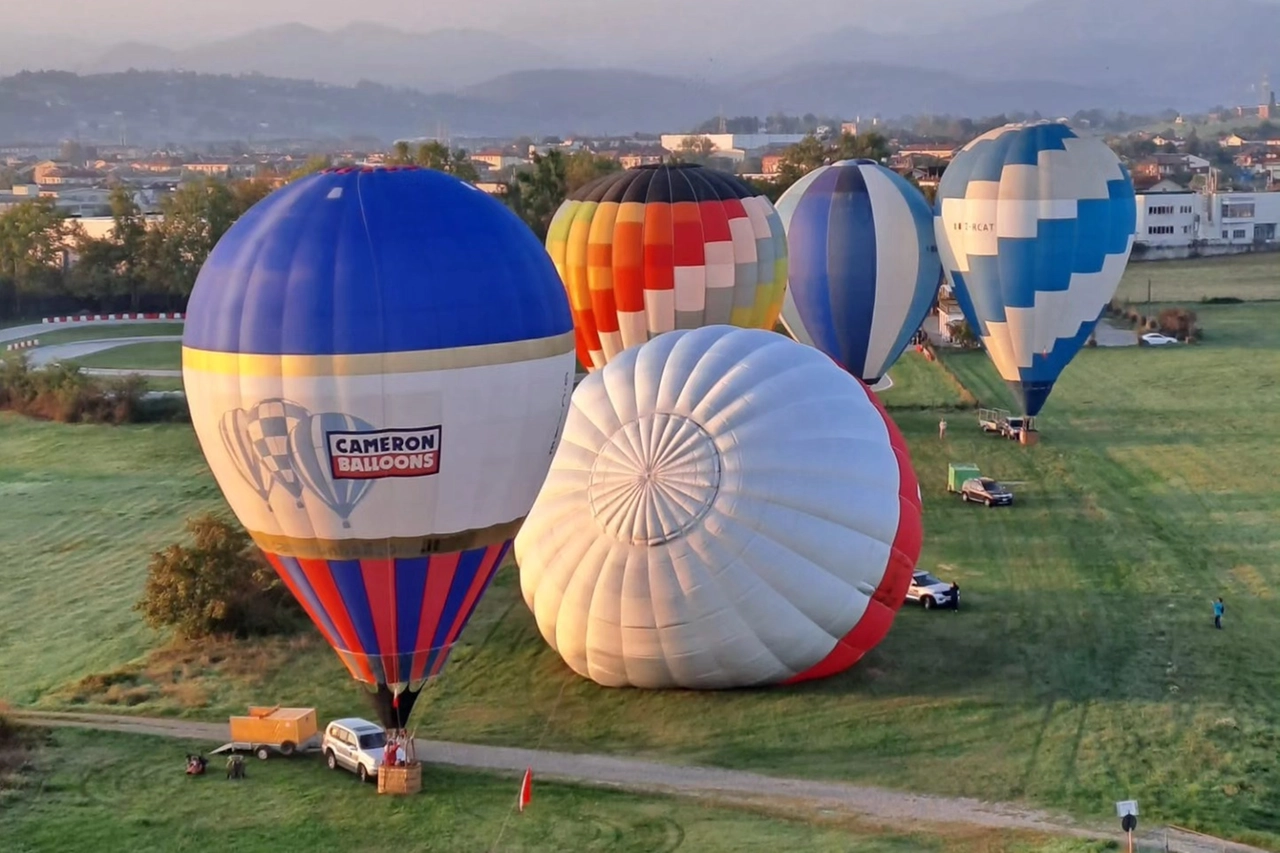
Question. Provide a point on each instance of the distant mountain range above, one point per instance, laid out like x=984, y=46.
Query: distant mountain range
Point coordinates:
x=156, y=107
x=1185, y=54
x=1136, y=55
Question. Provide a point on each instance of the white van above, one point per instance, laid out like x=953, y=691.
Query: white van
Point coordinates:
x=356, y=745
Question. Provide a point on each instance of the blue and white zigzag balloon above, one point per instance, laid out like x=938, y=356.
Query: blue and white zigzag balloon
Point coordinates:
x=1035, y=225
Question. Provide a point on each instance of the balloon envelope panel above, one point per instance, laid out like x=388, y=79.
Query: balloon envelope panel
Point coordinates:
x=863, y=266
x=1035, y=225
x=727, y=508
x=378, y=365
x=658, y=248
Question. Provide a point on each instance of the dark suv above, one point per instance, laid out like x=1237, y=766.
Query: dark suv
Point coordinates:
x=987, y=491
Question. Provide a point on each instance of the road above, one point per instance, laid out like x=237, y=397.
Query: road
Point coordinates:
x=35, y=330
x=733, y=787
x=1111, y=336
x=41, y=356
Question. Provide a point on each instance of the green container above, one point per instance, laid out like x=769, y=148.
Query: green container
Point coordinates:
x=958, y=472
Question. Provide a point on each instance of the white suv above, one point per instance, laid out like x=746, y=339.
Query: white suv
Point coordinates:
x=355, y=745
x=931, y=592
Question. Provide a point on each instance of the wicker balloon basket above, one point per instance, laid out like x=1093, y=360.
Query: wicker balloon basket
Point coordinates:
x=401, y=779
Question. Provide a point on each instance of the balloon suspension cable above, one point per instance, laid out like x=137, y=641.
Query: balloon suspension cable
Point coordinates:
x=536, y=748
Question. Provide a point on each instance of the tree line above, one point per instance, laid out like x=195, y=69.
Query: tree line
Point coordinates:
x=49, y=265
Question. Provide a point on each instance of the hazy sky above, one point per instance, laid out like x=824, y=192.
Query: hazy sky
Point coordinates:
x=179, y=22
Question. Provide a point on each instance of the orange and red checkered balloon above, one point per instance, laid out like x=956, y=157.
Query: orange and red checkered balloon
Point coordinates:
x=658, y=248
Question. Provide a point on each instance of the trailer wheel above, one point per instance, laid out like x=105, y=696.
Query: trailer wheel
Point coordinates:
x=263, y=753
x=287, y=748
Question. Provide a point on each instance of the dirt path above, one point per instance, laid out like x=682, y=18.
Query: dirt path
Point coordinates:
x=728, y=786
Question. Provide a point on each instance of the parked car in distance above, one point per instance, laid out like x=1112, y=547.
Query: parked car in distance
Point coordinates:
x=929, y=592
x=1156, y=339
x=1011, y=428
x=356, y=745
x=987, y=491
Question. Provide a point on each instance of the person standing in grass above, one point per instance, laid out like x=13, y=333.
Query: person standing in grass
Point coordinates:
x=942, y=429
x=1218, y=609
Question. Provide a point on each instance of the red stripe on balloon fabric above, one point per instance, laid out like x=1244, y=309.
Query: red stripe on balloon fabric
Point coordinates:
x=903, y=554
x=440, y=571
x=488, y=565
x=321, y=580
x=380, y=586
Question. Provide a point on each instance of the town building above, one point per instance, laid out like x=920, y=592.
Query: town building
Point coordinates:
x=1180, y=224
x=731, y=146
x=498, y=160
x=649, y=155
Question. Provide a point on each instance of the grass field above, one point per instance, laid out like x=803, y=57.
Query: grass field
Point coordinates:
x=164, y=383
x=97, y=331
x=128, y=793
x=151, y=355
x=83, y=507
x=1084, y=668
x=1250, y=277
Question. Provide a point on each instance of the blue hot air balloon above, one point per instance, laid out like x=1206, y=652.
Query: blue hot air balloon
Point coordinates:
x=1035, y=225
x=864, y=268
x=378, y=364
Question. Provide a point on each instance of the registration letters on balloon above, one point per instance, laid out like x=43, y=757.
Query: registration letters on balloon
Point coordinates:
x=369, y=455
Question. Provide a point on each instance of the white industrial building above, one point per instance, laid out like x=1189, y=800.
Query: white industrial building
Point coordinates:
x=731, y=146
x=1176, y=224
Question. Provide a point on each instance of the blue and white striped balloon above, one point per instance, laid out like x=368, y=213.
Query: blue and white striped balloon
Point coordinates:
x=863, y=269
x=1035, y=225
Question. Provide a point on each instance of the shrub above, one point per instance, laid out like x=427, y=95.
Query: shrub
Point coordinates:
x=962, y=334
x=1178, y=323
x=220, y=584
x=1220, y=300
x=64, y=393
x=1152, y=324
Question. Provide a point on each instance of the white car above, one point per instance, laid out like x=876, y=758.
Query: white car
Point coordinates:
x=356, y=745
x=930, y=592
x=1156, y=339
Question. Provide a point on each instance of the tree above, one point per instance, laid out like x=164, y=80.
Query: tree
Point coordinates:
x=400, y=154
x=536, y=193
x=195, y=218
x=245, y=194
x=219, y=584
x=116, y=264
x=584, y=167
x=801, y=159
x=435, y=155
x=695, y=149
x=34, y=239
x=865, y=146
x=314, y=164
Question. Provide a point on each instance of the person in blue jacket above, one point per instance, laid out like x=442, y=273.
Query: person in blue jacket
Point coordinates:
x=1218, y=609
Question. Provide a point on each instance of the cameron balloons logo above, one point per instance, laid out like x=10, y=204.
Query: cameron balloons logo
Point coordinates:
x=371, y=455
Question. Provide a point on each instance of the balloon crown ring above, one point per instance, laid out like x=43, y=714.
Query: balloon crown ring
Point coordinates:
x=654, y=479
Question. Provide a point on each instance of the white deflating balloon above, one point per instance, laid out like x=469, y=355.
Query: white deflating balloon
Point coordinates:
x=726, y=508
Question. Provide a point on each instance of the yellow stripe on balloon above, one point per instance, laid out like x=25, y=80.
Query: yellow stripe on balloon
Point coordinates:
x=371, y=364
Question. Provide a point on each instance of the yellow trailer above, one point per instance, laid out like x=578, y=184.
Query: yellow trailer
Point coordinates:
x=274, y=729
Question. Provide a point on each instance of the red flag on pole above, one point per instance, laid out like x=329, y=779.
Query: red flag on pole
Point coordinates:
x=526, y=788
